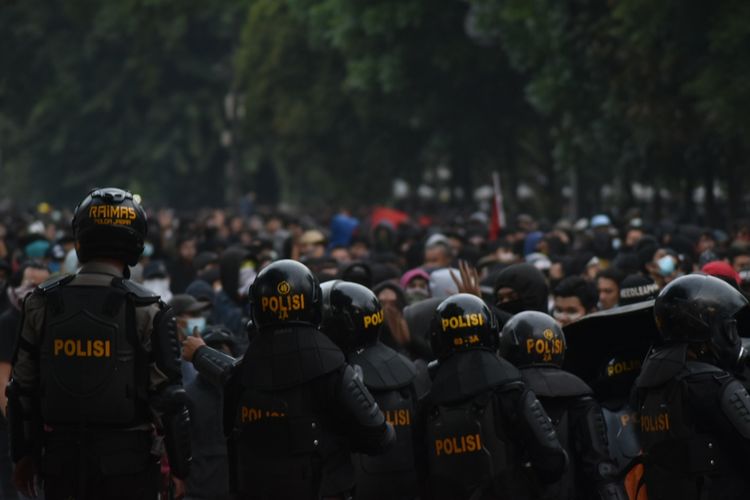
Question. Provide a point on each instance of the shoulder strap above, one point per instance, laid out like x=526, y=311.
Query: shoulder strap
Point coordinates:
x=140, y=295
x=54, y=283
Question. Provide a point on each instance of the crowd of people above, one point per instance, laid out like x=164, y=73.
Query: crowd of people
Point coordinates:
x=415, y=282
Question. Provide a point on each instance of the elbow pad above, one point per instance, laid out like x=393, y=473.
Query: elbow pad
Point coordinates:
x=177, y=441
x=548, y=456
x=165, y=348
x=370, y=432
x=596, y=429
x=215, y=365
x=176, y=423
x=735, y=404
x=358, y=401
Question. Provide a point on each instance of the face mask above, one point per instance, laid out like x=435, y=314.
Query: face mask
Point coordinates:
x=666, y=265
x=193, y=323
x=514, y=306
x=415, y=295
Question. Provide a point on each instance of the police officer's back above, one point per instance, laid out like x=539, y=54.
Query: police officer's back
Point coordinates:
x=298, y=408
x=98, y=356
x=352, y=318
x=534, y=342
x=483, y=433
x=694, y=414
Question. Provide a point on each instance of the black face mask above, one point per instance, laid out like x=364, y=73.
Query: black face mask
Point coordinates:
x=514, y=306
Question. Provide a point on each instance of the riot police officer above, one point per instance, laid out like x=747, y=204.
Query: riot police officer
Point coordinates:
x=535, y=343
x=694, y=413
x=352, y=318
x=297, y=407
x=98, y=358
x=483, y=432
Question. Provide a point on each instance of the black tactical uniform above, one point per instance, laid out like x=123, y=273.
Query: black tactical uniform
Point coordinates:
x=694, y=414
x=352, y=318
x=98, y=357
x=297, y=407
x=534, y=342
x=482, y=432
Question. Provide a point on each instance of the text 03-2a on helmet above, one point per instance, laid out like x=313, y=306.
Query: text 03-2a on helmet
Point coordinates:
x=285, y=293
x=701, y=309
x=462, y=322
x=352, y=315
x=110, y=222
x=532, y=338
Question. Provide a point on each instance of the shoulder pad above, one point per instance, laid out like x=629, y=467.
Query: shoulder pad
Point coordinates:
x=554, y=383
x=383, y=368
x=662, y=365
x=735, y=403
x=141, y=294
x=54, y=283
x=699, y=368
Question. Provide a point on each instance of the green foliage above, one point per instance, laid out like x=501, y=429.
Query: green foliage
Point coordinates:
x=341, y=96
x=128, y=93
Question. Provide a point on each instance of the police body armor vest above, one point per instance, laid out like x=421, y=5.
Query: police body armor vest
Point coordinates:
x=680, y=461
x=90, y=355
x=389, y=376
x=286, y=447
x=469, y=452
x=555, y=388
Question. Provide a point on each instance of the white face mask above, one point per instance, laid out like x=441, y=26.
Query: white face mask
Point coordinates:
x=160, y=286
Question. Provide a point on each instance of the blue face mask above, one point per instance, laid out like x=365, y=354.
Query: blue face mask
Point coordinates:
x=193, y=323
x=148, y=249
x=666, y=265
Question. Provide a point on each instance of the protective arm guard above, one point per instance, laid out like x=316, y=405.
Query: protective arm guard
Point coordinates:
x=214, y=365
x=176, y=424
x=165, y=348
x=24, y=427
x=369, y=432
x=171, y=399
x=593, y=445
x=735, y=404
x=548, y=458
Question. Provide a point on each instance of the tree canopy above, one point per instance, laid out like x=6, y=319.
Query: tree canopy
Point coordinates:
x=193, y=104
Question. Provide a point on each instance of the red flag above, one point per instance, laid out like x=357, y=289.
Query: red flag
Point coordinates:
x=497, y=221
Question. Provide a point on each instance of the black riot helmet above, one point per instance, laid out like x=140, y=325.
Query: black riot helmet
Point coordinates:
x=285, y=293
x=109, y=222
x=462, y=322
x=352, y=315
x=698, y=308
x=532, y=338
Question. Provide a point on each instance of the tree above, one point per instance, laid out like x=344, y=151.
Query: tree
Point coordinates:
x=128, y=93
